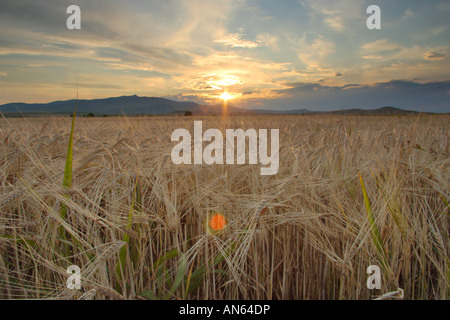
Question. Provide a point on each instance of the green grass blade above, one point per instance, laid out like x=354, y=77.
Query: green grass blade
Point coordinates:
x=179, y=276
x=197, y=276
x=120, y=268
x=22, y=240
x=67, y=179
x=447, y=205
x=374, y=229
x=169, y=255
x=149, y=295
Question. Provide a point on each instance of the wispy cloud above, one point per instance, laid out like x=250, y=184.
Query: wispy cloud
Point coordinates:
x=235, y=40
x=437, y=55
x=337, y=15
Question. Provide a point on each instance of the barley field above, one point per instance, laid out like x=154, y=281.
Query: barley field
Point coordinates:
x=351, y=192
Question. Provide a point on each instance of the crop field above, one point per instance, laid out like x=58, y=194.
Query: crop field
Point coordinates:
x=351, y=192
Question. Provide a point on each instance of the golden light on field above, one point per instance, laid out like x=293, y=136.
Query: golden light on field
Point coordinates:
x=229, y=220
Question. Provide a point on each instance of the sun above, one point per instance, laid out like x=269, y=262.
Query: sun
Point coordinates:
x=226, y=96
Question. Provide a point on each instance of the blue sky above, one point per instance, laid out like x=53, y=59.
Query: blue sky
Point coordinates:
x=285, y=54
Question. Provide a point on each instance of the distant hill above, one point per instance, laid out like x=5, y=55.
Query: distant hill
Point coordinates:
x=135, y=105
x=383, y=110
x=380, y=111
x=130, y=105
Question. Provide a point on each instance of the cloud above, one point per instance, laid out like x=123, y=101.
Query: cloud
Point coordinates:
x=215, y=81
x=385, y=50
x=372, y=57
x=337, y=15
x=93, y=85
x=335, y=22
x=383, y=46
x=185, y=97
x=433, y=55
x=235, y=40
x=139, y=28
x=314, y=51
x=268, y=40
x=409, y=13
x=444, y=6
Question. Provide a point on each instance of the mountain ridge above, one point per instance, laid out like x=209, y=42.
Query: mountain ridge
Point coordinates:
x=136, y=105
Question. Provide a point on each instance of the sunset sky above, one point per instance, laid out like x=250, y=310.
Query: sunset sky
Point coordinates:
x=285, y=54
